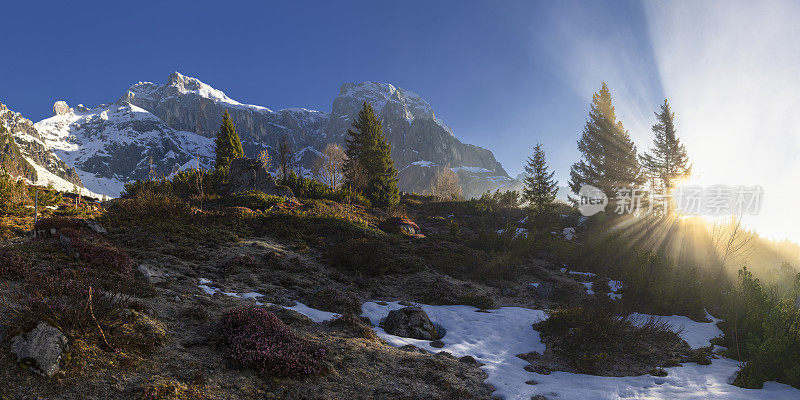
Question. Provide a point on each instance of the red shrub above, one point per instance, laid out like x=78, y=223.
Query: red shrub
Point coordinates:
x=12, y=266
x=242, y=261
x=59, y=223
x=256, y=338
x=61, y=295
x=101, y=258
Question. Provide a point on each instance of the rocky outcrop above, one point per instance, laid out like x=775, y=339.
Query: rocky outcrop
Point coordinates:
x=42, y=348
x=410, y=322
x=246, y=175
x=151, y=274
x=61, y=108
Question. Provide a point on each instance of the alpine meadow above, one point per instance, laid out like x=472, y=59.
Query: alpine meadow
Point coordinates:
x=520, y=200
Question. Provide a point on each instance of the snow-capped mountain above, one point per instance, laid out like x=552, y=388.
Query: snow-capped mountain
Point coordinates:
x=112, y=144
x=27, y=156
x=173, y=124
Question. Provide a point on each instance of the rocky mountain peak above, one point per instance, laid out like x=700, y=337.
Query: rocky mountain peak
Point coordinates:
x=179, y=88
x=397, y=102
x=61, y=108
x=188, y=85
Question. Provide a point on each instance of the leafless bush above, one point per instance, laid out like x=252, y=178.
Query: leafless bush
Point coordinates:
x=446, y=185
x=330, y=165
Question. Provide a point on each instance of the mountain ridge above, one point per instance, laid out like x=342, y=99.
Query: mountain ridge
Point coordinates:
x=185, y=109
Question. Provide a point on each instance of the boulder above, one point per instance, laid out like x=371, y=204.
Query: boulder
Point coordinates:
x=401, y=225
x=94, y=226
x=151, y=274
x=468, y=360
x=411, y=322
x=42, y=348
x=246, y=174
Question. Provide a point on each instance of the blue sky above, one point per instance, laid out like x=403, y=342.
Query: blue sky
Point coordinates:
x=502, y=74
x=492, y=70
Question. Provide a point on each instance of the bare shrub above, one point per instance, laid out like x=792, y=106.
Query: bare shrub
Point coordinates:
x=446, y=185
x=330, y=164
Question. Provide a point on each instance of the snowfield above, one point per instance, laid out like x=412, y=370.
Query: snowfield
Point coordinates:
x=495, y=338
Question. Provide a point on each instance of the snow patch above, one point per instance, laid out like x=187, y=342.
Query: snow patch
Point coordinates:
x=312, y=313
x=496, y=337
x=493, y=338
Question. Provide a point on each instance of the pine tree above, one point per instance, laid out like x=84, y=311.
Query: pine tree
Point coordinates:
x=228, y=145
x=668, y=162
x=370, y=155
x=540, y=187
x=608, y=156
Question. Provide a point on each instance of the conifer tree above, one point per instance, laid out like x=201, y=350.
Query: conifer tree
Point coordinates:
x=540, y=187
x=667, y=162
x=228, y=146
x=608, y=156
x=370, y=154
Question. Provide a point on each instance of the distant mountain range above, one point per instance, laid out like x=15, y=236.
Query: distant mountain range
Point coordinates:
x=167, y=127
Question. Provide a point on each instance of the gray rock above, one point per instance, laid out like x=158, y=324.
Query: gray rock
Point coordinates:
x=42, y=348
x=246, y=174
x=151, y=274
x=468, y=360
x=411, y=322
x=94, y=226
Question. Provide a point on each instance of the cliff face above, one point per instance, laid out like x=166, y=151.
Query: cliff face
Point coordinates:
x=186, y=104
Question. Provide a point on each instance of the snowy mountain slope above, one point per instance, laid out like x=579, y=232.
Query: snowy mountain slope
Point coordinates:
x=110, y=145
x=45, y=178
x=37, y=163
